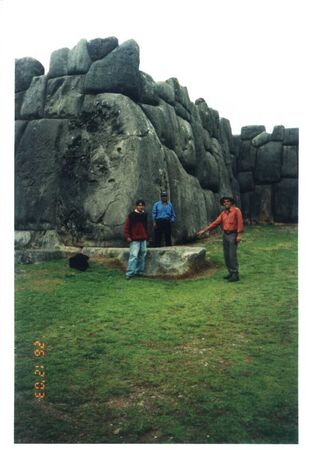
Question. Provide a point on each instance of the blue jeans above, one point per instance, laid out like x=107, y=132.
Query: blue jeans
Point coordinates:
x=136, y=261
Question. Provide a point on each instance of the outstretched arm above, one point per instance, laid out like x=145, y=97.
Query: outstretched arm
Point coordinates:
x=210, y=227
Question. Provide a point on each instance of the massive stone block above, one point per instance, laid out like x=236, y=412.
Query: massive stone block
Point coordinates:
x=25, y=70
x=149, y=89
x=37, y=175
x=99, y=48
x=247, y=206
x=261, y=139
x=262, y=211
x=246, y=181
x=286, y=200
x=268, y=163
x=111, y=157
x=59, y=63
x=79, y=60
x=34, y=99
x=164, y=121
x=250, y=131
x=291, y=136
x=160, y=262
x=166, y=92
x=185, y=145
x=181, y=93
x=247, y=157
x=289, y=167
x=64, y=96
x=209, y=174
x=118, y=72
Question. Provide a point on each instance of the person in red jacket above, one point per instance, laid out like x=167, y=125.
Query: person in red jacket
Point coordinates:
x=135, y=233
x=231, y=223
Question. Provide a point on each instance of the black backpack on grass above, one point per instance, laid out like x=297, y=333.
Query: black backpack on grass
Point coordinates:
x=79, y=262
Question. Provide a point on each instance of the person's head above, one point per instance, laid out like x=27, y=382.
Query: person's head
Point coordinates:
x=227, y=202
x=164, y=197
x=140, y=205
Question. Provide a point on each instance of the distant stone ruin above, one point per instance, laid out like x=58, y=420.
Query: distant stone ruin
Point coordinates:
x=95, y=133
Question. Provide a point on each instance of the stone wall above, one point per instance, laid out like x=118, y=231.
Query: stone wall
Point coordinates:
x=95, y=133
x=267, y=171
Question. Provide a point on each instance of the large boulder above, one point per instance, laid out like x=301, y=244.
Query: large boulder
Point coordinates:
x=268, y=163
x=286, y=200
x=262, y=211
x=246, y=181
x=59, y=63
x=247, y=156
x=111, y=138
x=250, y=131
x=166, y=92
x=289, y=167
x=25, y=70
x=64, y=96
x=160, y=262
x=34, y=99
x=165, y=122
x=291, y=136
x=185, y=145
x=79, y=60
x=189, y=203
x=148, y=93
x=261, y=139
x=99, y=48
x=37, y=175
x=208, y=173
x=247, y=206
x=118, y=72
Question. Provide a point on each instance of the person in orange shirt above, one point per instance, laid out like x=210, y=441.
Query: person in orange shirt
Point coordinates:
x=231, y=223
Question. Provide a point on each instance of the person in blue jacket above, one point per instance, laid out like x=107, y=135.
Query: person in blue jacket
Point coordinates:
x=163, y=216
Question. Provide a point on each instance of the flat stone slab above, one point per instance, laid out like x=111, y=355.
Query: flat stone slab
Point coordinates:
x=163, y=262
x=30, y=255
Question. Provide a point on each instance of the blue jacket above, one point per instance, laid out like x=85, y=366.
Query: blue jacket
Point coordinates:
x=163, y=210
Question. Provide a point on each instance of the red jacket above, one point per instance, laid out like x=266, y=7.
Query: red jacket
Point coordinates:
x=229, y=220
x=136, y=226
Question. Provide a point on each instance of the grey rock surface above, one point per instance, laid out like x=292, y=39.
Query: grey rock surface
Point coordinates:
x=25, y=70
x=59, y=63
x=160, y=262
x=99, y=48
x=118, y=72
x=286, y=200
x=268, y=163
x=90, y=143
x=79, y=60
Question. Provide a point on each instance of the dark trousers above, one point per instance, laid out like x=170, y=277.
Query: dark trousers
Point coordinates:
x=163, y=228
x=230, y=252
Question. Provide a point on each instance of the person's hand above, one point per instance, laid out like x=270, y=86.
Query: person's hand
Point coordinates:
x=238, y=239
x=129, y=239
x=200, y=233
x=154, y=224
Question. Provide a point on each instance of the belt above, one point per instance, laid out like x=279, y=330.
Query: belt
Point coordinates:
x=230, y=232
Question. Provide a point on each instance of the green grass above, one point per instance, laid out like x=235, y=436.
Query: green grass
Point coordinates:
x=162, y=361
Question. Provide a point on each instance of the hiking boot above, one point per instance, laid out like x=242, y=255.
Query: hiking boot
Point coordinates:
x=234, y=277
x=227, y=276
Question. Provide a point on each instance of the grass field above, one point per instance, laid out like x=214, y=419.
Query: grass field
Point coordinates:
x=161, y=361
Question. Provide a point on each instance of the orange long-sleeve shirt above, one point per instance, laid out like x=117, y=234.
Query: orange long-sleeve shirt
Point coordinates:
x=230, y=220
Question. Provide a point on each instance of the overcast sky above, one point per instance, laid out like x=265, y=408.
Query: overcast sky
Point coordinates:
x=242, y=56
